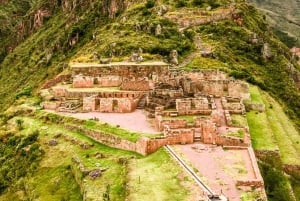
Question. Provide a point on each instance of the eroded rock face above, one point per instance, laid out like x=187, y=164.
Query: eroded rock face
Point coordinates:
x=161, y=10
x=3, y=1
x=112, y=7
x=39, y=17
x=53, y=142
x=266, y=51
x=173, y=57
x=158, y=30
x=94, y=174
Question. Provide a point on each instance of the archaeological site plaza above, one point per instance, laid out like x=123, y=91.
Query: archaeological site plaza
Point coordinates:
x=202, y=106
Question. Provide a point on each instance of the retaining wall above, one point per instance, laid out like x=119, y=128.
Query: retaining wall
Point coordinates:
x=56, y=80
x=143, y=146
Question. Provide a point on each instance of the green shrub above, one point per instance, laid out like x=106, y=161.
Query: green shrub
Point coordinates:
x=150, y=4
x=20, y=155
x=24, y=92
x=180, y=3
x=198, y=2
x=276, y=183
x=19, y=123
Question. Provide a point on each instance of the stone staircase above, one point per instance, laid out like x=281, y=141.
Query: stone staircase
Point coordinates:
x=197, y=136
x=141, y=103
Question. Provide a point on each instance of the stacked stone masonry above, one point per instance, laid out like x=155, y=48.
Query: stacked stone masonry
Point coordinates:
x=185, y=106
x=171, y=97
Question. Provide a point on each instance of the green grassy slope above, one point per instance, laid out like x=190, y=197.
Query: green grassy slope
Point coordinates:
x=51, y=175
x=272, y=131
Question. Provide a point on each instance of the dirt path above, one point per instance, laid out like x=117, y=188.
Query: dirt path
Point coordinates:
x=199, y=45
x=134, y=121
x=220, y=168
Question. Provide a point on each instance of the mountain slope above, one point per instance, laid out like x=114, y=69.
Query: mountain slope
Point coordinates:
x=284, y=17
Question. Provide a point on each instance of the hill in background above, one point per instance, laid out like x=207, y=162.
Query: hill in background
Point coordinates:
x=284, y=17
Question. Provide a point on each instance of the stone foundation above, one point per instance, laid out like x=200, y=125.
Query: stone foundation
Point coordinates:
x=50, y=105
x=83, y=82
x=123, y=69
x=192, y=105
x=238, y=89
x=160, y=123
x=108, y=81
x=143, y=146
x=136, y=85
x=111, y=105
x=255, y=106
x=56, y=80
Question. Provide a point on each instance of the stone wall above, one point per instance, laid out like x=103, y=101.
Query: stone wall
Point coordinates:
x=255, y=106
x=201, y=19
x=103, y=94
x=168, y=92
x=89, y=104
x=185, y=137
x=110, y=105
x=141, y=85
x=253, y=183
x=215, y=88
x=207, y=129
x=190, y=106
x=233, y=105
x=161, y=123
x=236, y=105
x=59, y=92
x=116, y=105
x=183, y=106
x=209, y=132
x=108, y=81
x=122, y=69
x=228, y=118
x=83, y=82
x=56, y=80
x=258, y=180
x=230, y=141
x=215, y=117
x=50, y=105
x=207, y=75
x=238, y=89
x=143, y=146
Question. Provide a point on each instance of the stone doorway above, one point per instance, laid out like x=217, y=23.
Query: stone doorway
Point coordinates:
x=115, y=105
x=197, y=135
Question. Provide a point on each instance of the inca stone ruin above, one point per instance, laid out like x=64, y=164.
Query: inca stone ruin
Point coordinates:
x=186, y=106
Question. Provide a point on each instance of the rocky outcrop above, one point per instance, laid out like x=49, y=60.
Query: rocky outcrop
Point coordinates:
x=293, y=170
x=39, y=17
x=266, y=51
x=267, y=155
x=294, y=74
x=112, y=7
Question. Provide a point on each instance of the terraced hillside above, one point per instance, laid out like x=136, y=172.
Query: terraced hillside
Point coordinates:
x=40, y=38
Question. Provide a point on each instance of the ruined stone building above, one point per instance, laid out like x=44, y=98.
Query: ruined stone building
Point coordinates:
x=115, y=87
x=188, y=106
